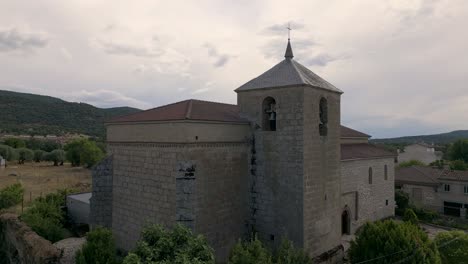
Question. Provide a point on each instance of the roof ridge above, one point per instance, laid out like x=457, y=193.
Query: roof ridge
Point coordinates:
x=212, y=102
x=147, y=110
x=298, y=71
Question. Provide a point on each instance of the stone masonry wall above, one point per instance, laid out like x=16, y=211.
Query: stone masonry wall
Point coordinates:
x=101, y=199
x=276, y=165
x=322, y=180
x=19, y=244
x=371, y=201
x=148, y=188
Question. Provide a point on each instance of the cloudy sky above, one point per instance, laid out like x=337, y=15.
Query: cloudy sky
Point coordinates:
x=403, y=65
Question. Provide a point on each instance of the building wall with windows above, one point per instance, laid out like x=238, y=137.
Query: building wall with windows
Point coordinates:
x=367, y=197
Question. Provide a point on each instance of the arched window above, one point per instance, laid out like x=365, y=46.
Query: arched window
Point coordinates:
x=323, y=115
x=269, y=114
x=386, y=172
x=370, y=175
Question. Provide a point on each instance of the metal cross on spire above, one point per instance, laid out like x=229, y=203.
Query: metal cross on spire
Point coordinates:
x=289, y=31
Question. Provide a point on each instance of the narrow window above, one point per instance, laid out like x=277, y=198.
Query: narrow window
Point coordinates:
x=370, y=175
x=269, y=114
x=465, y=190
x=323, y=114
x=447, y=187
x=386, y=202
x=386, y=172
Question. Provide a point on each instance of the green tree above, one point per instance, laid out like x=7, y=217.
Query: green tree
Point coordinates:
x=249, y=252
x=83, y=152
x=410, y=217
x=459, y=150
x=179, y=245
x=389, y=242
x=458, y=165
x=34, y=144
x=90, y=154
x=453, y=247
x=402, y=201
x=39, y=155
x=11, y=195
x=25, y=154
x=99, y=248
x=411, y=163
x=7, y=152
x=287, y=254
x=57, y=156
x=15, y=143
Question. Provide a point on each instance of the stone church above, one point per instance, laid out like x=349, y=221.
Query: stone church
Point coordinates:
x=278, y=164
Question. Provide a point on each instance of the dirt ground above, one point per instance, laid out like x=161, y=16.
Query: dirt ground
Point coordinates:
x=43, y=178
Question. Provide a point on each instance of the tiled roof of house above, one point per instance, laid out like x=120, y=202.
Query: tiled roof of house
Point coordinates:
x=417, y=175
x=288, y=73
x=428, y=175
x=186, y=110
x=347, y=132
x=364, y=151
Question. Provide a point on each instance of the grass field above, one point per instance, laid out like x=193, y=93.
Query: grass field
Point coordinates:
x=43, y=178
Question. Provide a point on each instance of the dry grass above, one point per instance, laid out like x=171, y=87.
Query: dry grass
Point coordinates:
x=43, y=178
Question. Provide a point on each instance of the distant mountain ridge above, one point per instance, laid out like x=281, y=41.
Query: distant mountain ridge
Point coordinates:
x=24, y=113
x=443, y=138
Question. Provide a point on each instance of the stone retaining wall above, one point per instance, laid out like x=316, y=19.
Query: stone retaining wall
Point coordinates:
x=19, y=244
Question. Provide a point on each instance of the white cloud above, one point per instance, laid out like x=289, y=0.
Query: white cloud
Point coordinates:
x=107, y=98
x=14, y=39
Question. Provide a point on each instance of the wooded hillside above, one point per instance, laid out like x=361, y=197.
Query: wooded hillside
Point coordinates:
x=22, y=113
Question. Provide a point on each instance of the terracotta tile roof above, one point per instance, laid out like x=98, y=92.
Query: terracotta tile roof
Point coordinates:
x=347, y=132
x=201, y=110
x=418, y=175
x=364, y=151
x=186, y=110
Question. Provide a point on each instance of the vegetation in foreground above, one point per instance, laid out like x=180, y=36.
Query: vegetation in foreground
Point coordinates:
x=11, y=195
x=390, y=242
x=46, y=217
x=99, y=248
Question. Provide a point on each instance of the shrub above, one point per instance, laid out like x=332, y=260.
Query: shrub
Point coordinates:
x=424, y=214
x=402, y=201
x=410, y=163
x=248, y=252
x=99, y=248
x=458, y=165
x=287, y=254
x=392, y=242
x=11, y=195
x=45, y=216
x=410, y=217
x=179, y=245
x=453, y=246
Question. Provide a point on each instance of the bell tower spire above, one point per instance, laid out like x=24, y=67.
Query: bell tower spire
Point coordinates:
x=289, y=54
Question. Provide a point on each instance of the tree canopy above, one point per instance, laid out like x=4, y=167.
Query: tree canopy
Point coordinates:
x=459, y=150
x=179, y=245
x=453, y=247
x=391, y=242
x=83, y=152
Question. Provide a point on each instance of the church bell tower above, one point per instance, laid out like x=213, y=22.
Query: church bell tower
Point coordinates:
x=295, y=184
